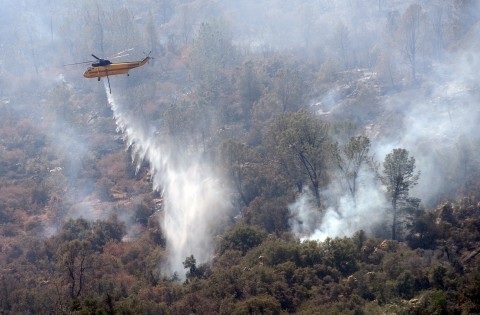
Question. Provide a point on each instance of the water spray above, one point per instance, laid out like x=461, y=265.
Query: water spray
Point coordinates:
x=194, y=199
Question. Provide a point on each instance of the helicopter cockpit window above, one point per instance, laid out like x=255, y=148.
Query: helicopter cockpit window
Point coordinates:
x=102, y=62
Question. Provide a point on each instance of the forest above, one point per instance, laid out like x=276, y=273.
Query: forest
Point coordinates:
x=274, y=157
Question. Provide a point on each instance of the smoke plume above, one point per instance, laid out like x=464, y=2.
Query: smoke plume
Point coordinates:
x=343, y=216
x=437, y=124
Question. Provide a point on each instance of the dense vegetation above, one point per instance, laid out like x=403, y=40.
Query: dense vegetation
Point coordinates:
x=82, y=229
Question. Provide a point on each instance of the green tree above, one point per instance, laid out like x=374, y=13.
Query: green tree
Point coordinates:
x=299, y=142
x=97, y=233
x=398, y=176
x=242, y=238
x=106, y=231
x=195, y=271
x=241, y=164
x=269, y=213
x=261, y=304
x=351, y=159
x=424, y=232
x=190, y=263
x=340, y=253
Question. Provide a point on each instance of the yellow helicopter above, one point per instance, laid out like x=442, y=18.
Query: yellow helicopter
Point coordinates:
x=104, y=67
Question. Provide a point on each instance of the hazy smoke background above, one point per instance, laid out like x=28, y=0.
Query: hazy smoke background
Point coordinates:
x=435, y=122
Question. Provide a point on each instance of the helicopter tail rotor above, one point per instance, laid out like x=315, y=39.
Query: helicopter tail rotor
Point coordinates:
x=148, y=56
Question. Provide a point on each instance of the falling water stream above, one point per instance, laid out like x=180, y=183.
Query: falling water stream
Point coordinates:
x=194, y=199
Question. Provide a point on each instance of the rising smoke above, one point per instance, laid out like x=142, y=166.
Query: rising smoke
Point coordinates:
x=194, y=196
x=436, y=123
x=343, y=216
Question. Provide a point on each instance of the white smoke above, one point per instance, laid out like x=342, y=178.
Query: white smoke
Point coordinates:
x=305, y=216
x=431, y=122
x=194, y=198
x=343, y=219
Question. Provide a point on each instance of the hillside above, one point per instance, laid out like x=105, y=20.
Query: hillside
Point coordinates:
x=304, y=157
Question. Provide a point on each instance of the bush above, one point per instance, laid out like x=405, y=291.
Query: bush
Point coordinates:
x=340, y=253
x=242, y=238
x=424, y=233
x=263, y=304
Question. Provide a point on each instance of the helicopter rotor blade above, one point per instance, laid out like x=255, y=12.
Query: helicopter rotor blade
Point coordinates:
x=78, y=63
x=119, y=56
x=120, y=53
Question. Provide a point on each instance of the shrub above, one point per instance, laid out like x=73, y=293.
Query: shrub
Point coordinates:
x=242, y=238
x=263, y=304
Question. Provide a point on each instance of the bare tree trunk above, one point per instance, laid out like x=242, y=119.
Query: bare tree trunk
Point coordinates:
x=394, y=223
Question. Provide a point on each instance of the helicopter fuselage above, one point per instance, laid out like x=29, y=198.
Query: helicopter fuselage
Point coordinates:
x=106, y=68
